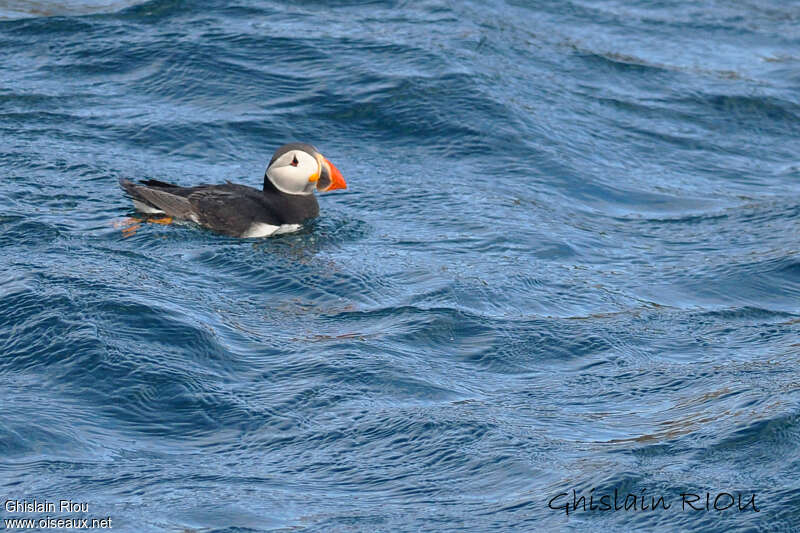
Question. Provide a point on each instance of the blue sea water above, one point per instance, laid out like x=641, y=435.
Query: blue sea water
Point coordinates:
x=567, y=264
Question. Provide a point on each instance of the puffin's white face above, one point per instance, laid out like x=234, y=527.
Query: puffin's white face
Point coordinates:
x=298, y=168
x=295, y=172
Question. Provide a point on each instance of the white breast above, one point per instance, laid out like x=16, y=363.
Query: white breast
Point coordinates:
x=259, y=229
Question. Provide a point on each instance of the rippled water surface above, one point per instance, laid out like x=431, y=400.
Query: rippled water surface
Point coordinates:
x=567, y=261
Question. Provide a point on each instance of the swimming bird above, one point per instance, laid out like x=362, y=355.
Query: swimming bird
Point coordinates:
x=286, y=201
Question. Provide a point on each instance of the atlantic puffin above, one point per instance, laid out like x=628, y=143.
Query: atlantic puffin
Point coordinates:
x=286, y=201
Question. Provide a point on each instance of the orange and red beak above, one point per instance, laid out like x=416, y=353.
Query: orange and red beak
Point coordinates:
x=330, y=178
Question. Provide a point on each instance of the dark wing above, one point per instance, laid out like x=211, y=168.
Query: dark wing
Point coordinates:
x=230, y=211
x=172, y=204
x=159, y=183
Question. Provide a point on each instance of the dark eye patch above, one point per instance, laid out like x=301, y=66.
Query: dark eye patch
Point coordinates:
x=294, y=161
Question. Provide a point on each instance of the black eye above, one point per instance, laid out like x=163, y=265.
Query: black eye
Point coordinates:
x=294, y=161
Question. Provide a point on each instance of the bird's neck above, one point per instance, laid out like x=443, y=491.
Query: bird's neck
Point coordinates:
x=269, y=187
